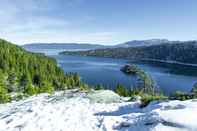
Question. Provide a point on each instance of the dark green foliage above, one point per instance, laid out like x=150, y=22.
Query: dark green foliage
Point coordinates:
x=185, y=96
x=145, y=82
x=194, y=89
x=178, y=95
x=4, y=96
x=134, y=92
x=12, y=81
x=31, y=90
x=147, y=98
x=46, y=87
x=84, y=87
x=19, y=96
x=129, y=69
x=37, y=79
x=145, y=87
x=184, y=52
x=24, y=67
x=99, y=87
x=121, y=90
x=24, y=83
x=31, y=73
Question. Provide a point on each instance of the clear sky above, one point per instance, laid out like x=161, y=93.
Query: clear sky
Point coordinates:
x=97, y=21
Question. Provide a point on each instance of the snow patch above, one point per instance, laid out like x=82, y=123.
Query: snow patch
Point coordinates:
x=97, y=111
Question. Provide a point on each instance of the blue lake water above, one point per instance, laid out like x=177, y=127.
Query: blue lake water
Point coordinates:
x=106, y=71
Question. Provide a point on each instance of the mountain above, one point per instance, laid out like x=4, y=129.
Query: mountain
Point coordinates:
x=59, y=47
x=179, y=52
x=65, y=46
x=55, y=48
x=30, y=73
x=150, y=42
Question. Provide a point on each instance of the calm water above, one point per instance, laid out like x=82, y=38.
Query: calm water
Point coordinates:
x=94, y=71
x=106, y=71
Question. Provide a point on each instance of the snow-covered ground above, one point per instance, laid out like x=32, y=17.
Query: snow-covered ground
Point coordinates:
x=98, y=111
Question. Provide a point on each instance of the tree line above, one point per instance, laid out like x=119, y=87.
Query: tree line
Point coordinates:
x=184, y=52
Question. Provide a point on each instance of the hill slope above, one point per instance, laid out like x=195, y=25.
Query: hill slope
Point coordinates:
x=137, y=43
x=183, y=52
x=25, y=72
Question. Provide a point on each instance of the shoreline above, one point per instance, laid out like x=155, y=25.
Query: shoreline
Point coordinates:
x=169, y=62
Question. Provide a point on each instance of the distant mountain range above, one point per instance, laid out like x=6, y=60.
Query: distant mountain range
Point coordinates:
x=59, y=47
x=69, y=46
x=150, y=42
x=55, y=48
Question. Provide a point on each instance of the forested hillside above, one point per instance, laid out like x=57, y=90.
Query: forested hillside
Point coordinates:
x=29, y=73
x=184, y=52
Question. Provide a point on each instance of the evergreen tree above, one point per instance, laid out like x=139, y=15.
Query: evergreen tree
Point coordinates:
x=46, y=88
x=31, y=90
x=4, y=96
x=12, y=82
x=121, y=90
x=194, y=89
x=24, y=82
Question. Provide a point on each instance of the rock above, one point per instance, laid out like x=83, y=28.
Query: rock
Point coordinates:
x=104, y=96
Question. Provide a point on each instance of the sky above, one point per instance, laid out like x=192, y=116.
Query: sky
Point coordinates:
x=97, y=21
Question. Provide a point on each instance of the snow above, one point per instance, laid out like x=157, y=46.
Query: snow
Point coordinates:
x=79, y=111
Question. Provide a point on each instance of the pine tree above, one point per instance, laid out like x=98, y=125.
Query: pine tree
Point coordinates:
x=12, y=82
x=24, y=82
x=120, y=89
x=31, y=90
x=4, y=96
x=46, y=88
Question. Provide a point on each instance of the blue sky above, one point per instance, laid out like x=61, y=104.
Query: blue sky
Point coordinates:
x=97, y=21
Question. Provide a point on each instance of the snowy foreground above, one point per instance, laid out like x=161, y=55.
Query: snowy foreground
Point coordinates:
x=98, y=111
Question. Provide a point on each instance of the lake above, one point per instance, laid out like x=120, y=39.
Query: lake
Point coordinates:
x=106, y=71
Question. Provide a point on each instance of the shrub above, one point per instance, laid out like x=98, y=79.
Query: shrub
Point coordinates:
x=183, y=96
x=146, y=99
x=46, y=88
x=31, y=90
x=19, y=96
x=121, y=90
x=4, y=96
x=194, y=89
x=84, y=87
x=98, y=87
